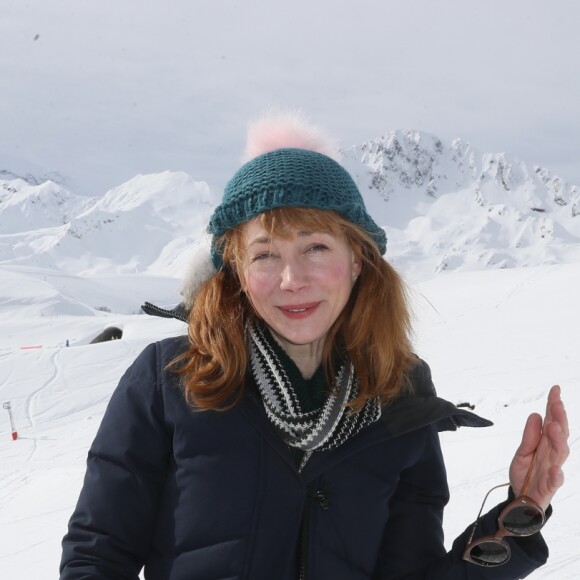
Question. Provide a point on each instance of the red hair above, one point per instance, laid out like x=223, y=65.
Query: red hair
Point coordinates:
x=374, y=327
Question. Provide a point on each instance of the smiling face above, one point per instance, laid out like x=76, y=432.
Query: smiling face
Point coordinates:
x=298, y=284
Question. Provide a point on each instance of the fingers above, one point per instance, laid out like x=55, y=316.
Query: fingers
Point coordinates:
x=555, y=392
x=555, y=410
x=558, y=442
x=555, y=479
x=549, y=440
x=558, y=413
x=553, y=397
x=531, y=435
x=556, y=426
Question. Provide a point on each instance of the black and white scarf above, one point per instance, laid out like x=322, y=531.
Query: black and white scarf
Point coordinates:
x=320, y=430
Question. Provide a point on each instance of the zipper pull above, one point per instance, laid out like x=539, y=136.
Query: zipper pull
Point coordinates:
x=321, y=497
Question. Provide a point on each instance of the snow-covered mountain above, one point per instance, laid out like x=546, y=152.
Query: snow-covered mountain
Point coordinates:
x=445, y=206
x=144, y=225
x=13, y=167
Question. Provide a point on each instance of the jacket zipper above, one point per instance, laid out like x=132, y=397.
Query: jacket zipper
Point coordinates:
x=320, y=496
x=304, y=537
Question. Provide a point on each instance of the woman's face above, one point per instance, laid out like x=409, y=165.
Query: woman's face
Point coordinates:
x=298, y=286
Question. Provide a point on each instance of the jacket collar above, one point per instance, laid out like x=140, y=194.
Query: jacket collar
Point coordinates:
x=408, y=413
x=422, y=407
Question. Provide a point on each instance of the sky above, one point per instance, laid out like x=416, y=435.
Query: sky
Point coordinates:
x=101, y=90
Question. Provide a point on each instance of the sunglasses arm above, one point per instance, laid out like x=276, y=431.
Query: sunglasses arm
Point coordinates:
x=481, y=511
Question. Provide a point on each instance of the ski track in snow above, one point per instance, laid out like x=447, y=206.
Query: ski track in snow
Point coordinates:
x=31, y=401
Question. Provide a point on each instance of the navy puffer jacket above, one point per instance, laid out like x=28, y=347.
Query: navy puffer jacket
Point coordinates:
x=209, y=495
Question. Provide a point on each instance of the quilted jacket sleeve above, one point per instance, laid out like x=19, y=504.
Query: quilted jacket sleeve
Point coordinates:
x=111, y=528
x=412, y=547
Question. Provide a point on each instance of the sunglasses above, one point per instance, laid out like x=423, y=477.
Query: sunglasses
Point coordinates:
x=521, y=517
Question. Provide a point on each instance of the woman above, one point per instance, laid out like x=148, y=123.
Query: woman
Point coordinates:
x=293, y=433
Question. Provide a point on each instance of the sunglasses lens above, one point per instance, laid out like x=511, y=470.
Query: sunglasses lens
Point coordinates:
x=523, y=520
x=489, y=553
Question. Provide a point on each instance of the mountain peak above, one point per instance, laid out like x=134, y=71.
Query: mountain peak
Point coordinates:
x=446, y=205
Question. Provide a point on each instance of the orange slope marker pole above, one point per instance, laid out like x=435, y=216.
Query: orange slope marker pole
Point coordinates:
x=8, y=407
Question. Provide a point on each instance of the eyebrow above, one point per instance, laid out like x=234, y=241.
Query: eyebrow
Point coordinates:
x=268, y=240
x=260, y=240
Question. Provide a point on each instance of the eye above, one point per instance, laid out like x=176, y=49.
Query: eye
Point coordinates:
x=260, y=256
x=316, y=248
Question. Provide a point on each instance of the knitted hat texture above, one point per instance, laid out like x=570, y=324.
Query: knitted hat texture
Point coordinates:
x=290, y=177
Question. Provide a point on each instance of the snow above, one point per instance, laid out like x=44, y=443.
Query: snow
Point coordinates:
x=497, y=339
x=46, y=225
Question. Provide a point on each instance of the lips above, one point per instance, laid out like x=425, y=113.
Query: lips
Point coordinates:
x=298, y=311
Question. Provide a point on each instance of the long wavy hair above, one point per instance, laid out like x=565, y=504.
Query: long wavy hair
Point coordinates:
x=374, y=327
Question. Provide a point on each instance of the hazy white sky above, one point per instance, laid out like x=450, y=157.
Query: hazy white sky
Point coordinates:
x=100, y=90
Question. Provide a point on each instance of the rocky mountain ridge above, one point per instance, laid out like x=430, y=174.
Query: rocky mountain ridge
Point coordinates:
x=449, y=206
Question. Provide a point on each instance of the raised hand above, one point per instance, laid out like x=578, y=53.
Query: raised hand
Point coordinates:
x=549, y=440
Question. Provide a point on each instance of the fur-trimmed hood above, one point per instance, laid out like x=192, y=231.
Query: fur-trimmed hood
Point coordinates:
x=200, y=271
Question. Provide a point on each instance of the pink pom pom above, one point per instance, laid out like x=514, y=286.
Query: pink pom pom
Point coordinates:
x=290, y=129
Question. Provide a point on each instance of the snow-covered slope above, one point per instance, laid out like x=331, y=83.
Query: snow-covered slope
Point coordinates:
x=495, y=339
x=126, y=230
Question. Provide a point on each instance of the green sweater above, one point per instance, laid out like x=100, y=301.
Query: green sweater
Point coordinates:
x=311, y=392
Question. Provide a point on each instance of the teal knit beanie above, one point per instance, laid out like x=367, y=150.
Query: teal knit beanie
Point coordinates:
x=290, y=177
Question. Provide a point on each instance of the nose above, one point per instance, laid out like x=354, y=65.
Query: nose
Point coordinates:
x=293, y=277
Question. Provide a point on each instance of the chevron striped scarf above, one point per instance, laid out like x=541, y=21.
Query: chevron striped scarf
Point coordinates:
x=320, y=430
